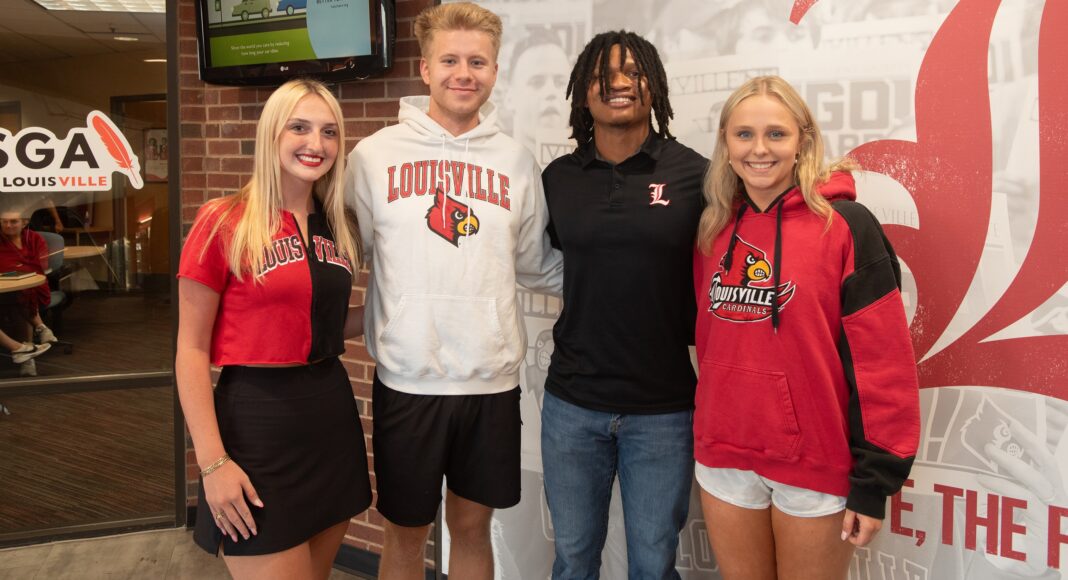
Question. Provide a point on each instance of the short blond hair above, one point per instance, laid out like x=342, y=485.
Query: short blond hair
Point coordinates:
x=456, y=16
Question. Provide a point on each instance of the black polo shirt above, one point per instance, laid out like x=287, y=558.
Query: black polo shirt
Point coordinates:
x=627, y=233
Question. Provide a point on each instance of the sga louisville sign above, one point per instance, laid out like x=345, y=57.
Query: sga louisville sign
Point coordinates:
x=35, y=159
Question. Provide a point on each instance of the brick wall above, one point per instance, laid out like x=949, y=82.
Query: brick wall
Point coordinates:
x=217, y=137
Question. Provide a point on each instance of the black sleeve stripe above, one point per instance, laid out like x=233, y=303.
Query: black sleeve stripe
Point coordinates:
x=876, y=271
x=876, y=474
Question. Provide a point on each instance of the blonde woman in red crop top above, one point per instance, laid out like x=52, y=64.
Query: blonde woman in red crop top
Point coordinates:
x=265, y=279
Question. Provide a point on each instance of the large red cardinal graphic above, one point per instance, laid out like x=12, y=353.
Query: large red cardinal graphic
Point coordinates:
x=949, y=172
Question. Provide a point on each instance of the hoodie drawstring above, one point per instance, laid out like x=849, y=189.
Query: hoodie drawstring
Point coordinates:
x=470, y=194
x=776, y=258
x=776, y=267
x=467, y=149
x=441, y=167
x=734, y=238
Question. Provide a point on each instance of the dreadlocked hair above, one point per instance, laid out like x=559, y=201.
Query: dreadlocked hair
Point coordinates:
x=590, y=63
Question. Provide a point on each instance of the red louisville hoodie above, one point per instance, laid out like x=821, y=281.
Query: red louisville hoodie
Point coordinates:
x=807, y=374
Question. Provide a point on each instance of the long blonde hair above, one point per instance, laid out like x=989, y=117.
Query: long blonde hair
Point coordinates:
x=260, y=200
x=723, y=187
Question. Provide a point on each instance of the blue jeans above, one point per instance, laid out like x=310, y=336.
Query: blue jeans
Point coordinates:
x=582, y=451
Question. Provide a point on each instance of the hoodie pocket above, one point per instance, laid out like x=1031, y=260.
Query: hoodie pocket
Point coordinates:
x=747, y=409
x=436, y=335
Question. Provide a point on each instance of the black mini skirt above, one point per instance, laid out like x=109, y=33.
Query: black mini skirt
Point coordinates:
x=296, y=432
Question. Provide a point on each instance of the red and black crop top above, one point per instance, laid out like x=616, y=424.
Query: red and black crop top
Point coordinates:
x=294, y=314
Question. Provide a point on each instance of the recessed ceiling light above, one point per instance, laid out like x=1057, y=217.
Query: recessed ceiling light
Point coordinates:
x=158, y=6
x=127, y=38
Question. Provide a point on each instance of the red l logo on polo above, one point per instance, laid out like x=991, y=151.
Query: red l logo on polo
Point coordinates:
x=656, y=192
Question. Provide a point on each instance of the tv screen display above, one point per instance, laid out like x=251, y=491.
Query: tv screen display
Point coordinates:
x=265, y=42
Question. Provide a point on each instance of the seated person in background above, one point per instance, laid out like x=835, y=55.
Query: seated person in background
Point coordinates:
x=24, y=250
x=23, y=353
x=45, y=217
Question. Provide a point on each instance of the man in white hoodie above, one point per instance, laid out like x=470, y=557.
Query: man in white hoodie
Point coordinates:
x=452, y=216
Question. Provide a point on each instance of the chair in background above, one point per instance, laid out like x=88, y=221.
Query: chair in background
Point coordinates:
x=61, y=300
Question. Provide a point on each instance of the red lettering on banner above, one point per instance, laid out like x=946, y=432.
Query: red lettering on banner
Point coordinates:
x=973, y=521
x=1009, y=528
x=949, y=493
x=1055, y=537
x=999, y=523
x=898, y=505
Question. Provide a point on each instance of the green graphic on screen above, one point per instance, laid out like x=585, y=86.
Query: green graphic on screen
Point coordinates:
x=262, y=31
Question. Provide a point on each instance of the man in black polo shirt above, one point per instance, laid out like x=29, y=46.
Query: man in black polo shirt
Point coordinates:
x=619, y=395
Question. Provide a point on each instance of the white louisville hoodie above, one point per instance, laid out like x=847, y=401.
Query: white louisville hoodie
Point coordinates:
x=450, y=226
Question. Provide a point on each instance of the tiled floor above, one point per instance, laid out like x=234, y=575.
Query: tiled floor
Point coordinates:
x=160, y=554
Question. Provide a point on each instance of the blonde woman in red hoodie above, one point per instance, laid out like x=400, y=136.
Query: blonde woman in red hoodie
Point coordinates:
x=807, y=407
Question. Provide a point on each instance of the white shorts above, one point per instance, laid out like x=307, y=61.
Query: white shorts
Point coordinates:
x=748, y=490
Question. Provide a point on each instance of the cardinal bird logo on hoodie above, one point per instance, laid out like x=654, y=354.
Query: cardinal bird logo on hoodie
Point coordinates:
x=742, y=290
x=451, y=219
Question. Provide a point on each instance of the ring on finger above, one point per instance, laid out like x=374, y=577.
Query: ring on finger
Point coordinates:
x=219, y=516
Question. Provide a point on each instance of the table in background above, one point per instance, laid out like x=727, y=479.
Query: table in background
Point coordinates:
x=79, y=252
x=7, y=285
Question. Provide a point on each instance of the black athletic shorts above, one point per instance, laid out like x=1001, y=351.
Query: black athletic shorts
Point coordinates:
x=471, y=440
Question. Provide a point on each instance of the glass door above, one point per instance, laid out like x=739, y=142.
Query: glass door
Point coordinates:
x=89, y=436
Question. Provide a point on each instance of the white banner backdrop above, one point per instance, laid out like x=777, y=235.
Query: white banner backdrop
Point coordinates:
x=939, y=102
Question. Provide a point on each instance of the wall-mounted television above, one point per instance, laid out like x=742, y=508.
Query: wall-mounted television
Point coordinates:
x=266, y=42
